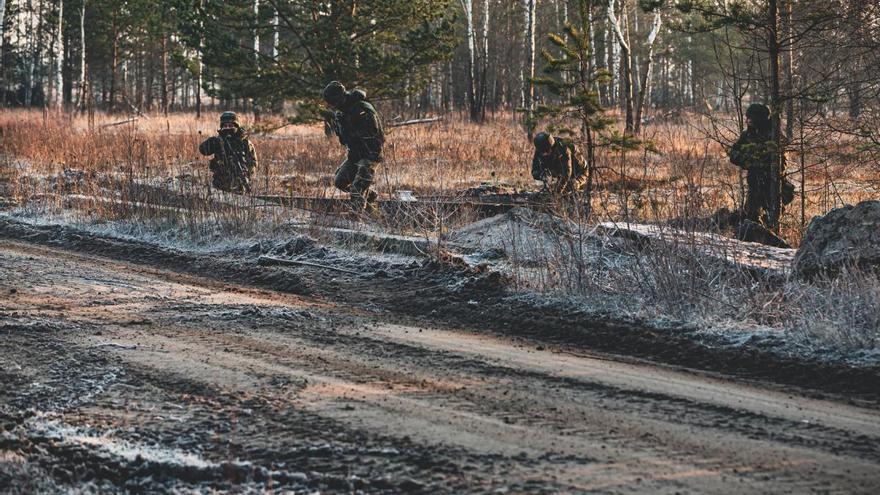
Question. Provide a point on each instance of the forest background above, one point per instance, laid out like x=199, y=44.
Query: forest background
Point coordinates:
x=675, y=74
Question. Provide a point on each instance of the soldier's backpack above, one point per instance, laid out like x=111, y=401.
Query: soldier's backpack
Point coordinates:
x=787, y=193
x=577, y=162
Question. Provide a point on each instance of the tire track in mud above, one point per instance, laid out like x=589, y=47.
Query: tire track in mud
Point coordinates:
x=303, y=383
x=364, y=393
x=440, y=294
x=105, y=443
x=365, y=357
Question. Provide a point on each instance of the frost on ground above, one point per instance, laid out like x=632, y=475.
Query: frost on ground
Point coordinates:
x=579, y=268
x=724, y=289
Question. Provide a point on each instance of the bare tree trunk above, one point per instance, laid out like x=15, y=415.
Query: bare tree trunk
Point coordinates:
x=81, y=103
x=646, y=72
x=199, y=50
x=528, y=89
x=789, y=71
x=165, y=74
x=59, y=59
x=114, y=63
x=484, y=66
x=276, y=35
x=256, y=32
x=777, y=164
x=255, y=102
x=467, y=7
x=614, y=63
x=626, y=59
x=2, y=64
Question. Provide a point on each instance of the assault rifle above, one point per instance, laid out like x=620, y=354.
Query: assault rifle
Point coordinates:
x=233, y=165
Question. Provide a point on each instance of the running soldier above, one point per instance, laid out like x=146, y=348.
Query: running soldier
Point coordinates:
x=357, y=124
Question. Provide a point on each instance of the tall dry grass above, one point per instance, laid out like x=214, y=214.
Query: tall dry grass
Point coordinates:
x=148, y=175
x=688, y=177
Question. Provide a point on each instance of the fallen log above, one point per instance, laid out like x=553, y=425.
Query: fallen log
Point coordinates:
x=121, y=122
x=269, y=260
x=414, y=122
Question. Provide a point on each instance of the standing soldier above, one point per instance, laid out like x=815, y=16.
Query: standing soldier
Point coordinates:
x=234, y=157
x=356, y=122
x=556, y=161
x=755, y=152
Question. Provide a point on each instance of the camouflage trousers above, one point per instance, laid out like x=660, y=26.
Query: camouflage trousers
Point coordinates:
x=226, y=180
x=760, y=207
x=560, y=186
x=355, y=176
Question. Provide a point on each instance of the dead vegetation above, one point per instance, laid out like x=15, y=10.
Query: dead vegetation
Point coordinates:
x=687, y=177
x=146, y=176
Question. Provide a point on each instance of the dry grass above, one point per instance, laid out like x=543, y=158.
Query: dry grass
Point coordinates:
x=64, y=162
x=689, y=177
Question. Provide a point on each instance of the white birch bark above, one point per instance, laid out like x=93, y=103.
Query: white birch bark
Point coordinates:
x=484, y=69
x=82, y=55
x=467, y=7
x=626, y=59
x=256, y=31
x=59, y=58
x=2, y=19
x=255, y=103
x=528, y=89
x=644, y=87
x=486, y=13
x=615, y=72
x=275, y=35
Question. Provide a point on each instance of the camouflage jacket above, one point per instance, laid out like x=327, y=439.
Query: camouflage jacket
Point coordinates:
x=235, y=149
x=359, y=128
x=752, y=151
x=562, y=163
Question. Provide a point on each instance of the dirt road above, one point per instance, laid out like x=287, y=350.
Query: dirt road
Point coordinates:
x=119, y=376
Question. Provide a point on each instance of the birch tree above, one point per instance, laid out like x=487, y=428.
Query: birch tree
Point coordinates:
x=528, y=71
x=649, y=63
x=2, y=23
x=59, y=58
x=82, y=57
x=625, y=59
x=467, y=7
x=199, y=50
x=484, y=66
x=276, y=34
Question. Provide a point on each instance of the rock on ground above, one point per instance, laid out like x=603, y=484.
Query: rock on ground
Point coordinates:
x=848, y=236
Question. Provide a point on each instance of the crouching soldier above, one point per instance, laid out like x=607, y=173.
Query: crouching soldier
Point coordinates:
x=357, y=124
x=234, y=157
x=557, y=165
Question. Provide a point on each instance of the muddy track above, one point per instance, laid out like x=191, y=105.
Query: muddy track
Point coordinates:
x=146, y=377
x=439, y=293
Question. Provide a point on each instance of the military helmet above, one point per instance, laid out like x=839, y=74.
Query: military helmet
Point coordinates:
x=334, y=93
x=758, y=112
x=227, y=117
x=544, y=141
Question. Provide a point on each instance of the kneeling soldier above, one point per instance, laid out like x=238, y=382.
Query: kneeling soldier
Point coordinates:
x=234, y=157
x=556, y=164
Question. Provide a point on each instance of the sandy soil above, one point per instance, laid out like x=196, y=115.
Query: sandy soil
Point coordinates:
x=122, y=376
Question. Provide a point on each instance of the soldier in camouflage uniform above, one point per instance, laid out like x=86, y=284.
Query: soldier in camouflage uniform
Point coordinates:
x=755, y=152
x=234, y=157
x=357, y=124
x=556, y=164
